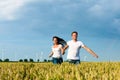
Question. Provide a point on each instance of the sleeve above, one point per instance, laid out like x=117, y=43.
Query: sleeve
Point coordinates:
x=68, y=42
x=60, y=46
x=81, y=43
x=52, y=48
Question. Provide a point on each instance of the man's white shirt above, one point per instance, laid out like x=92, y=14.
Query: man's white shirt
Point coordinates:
x=74, y=49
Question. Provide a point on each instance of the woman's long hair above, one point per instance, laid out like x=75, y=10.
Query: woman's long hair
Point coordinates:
x=60, y=41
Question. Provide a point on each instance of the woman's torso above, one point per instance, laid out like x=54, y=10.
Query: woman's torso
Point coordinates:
x=57, y=51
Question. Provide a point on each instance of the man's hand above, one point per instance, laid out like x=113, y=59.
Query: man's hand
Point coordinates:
x=96, y=56
x=90, y=51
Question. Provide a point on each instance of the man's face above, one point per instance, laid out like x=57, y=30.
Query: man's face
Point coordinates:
x=74, y=36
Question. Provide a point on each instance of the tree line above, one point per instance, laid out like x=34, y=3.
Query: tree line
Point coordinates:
x=25, y=60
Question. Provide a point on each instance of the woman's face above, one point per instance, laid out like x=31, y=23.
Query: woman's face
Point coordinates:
x=55, y=40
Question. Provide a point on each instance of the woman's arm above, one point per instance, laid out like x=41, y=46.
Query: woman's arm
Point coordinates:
x=90, y=51
x=50, y=55
x=64, y=48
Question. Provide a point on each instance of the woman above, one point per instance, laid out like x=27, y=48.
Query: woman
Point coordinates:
x=57, y=50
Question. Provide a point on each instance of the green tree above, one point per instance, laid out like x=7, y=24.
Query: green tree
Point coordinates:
x=38, y=60
x=25, y=60
x=6, y=60
x=20, y=60
x=0, y=60
x=31, y=60
x=49, y=60
x=45, y=60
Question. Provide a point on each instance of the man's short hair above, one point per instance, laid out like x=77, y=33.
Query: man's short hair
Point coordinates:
x=74, y=32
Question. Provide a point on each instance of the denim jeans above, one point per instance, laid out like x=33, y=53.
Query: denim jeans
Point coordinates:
x=57, y=60
x=74, y=61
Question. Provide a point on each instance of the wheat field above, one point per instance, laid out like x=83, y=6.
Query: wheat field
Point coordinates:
x=65, y=71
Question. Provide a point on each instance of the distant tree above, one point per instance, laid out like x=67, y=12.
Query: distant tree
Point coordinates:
x=6, y=60
x=25, y=60
x=45, y=60
x=0, y=60
x=49, y=60
x=20, y=60
x=38, y=60
x=31, y=60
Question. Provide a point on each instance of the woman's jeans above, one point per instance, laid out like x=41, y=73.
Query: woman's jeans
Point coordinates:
x=57, y=60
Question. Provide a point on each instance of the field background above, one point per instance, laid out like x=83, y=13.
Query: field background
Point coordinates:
x=65, y=71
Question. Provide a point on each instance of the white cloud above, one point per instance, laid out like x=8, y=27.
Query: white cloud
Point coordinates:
x=116, y=24
x=9, y=8
x=104, y=8
x=96, y=10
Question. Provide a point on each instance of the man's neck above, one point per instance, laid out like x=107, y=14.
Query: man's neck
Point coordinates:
x=75, y=40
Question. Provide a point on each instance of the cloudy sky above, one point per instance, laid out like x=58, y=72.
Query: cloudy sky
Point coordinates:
x=27, y=27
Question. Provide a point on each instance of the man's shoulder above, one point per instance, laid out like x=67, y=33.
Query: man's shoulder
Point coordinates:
x=79, y=41
x=72, y=41
x=69, y=41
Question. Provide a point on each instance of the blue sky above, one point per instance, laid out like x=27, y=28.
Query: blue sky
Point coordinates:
x=27, y=27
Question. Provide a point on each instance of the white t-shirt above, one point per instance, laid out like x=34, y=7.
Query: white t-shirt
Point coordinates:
x=57, y=51
x=73, y=50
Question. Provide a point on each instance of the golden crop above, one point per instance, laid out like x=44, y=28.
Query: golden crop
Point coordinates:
x=65, y=71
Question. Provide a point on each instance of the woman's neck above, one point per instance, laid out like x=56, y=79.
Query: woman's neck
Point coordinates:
x=55, y=45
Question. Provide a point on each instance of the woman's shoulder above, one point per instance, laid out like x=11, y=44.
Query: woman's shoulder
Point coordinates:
x=60, y=45
x=52, y=46
x=70, y=41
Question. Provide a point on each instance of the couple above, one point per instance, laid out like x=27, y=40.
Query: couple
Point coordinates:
x=74, y=46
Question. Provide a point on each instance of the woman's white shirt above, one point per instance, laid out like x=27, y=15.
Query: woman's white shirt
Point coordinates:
x=57, y=51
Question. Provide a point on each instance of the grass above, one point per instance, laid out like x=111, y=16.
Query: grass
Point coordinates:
x=65, y=71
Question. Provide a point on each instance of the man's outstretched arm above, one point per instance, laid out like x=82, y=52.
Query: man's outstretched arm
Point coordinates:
x=90, y=51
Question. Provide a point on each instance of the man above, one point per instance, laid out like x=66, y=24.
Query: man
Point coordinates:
x=74, y=48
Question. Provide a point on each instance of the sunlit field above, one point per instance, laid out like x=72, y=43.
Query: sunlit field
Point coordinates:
x=65, y=71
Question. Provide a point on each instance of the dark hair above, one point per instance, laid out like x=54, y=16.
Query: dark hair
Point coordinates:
x=60, y=40
x=74, y=32
x=55, y=37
